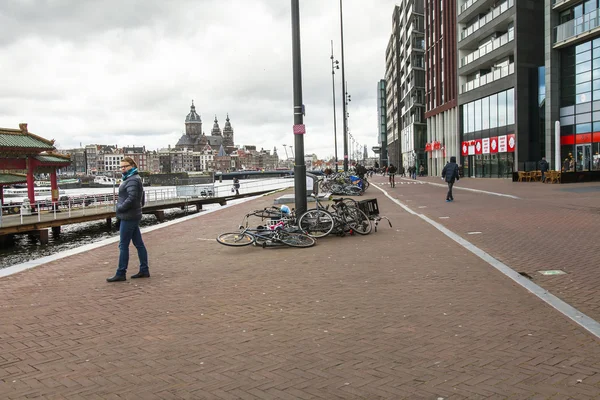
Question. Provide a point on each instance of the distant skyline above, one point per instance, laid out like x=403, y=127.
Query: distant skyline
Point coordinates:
x=125, y=73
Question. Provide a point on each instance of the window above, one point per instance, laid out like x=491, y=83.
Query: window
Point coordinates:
x=502, y=109
x=510, y=106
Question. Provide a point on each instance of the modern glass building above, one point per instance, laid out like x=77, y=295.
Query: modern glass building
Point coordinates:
x=500, y=118
x=572, y=43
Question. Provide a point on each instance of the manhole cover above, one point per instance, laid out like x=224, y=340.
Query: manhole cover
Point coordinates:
x=553, y=272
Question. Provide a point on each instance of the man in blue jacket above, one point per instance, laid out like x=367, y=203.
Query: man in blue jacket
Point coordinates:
x=129, y=212
x=450, y=174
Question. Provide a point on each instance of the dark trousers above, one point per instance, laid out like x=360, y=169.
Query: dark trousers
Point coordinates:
x=449, y=195
x=130, y=232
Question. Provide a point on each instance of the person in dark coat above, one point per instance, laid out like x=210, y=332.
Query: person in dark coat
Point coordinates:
x=450, y=175
x=544, y=167
x=236, y=185
x=129, y=212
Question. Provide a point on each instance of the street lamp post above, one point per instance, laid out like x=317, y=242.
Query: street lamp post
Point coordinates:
x=344, y=91
x=334, y=66
x=299, y=129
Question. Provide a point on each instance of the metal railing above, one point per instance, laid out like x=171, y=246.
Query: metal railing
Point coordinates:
x=488, y=78
x=496, y=12
x=577, y=26
x=488, y=48
x=89, y=204
x=466, y=5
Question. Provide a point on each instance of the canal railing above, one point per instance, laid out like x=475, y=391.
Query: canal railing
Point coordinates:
x=21, y=216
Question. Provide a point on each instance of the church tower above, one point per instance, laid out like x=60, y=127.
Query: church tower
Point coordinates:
x=228, y=133
x=193, y=123
x=216, y=130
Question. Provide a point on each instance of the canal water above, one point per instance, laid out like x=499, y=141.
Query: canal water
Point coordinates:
x=75, y=235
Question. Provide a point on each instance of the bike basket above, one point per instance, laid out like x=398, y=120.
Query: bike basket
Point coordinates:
x=369, y=207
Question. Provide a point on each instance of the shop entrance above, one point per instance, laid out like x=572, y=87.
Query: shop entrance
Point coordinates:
x=584, y=156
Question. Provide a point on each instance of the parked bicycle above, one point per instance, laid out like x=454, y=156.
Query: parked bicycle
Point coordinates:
x=276, y=228
x=343, y=218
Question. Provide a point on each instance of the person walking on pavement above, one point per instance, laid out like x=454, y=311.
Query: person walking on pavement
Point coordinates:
x=236, y=185
x=450, y=174
x=544, y=167
x=129, y=212
x=392, y=174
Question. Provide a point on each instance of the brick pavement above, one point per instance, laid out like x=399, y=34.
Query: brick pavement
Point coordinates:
x=403, y=313
x=549, y=227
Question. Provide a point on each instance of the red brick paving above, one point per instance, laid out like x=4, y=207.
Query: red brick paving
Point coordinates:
x=403, y=313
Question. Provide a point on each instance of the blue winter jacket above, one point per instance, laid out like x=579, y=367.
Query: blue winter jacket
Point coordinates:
x=129, y=205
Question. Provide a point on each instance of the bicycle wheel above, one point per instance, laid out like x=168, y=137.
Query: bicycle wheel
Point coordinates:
x=235, y=239
x=358, y=221
x=294, y=239
x=316, y=223
x=352, y=190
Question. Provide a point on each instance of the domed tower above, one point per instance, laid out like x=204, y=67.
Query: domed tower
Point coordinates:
x=193, y=123
x=228, y=134
x=216, y=131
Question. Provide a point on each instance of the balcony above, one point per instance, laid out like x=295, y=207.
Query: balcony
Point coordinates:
x=466, y=5
x=487, y=19
x=488, y=78
x=576, y=28
x=488, y=48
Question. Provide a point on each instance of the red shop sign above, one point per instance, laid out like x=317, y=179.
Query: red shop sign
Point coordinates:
x=494, y=144
x=584, y=138
x=511, y=143
x=464, y=149
x=478, y=147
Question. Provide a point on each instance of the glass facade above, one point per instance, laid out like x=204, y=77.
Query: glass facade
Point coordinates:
x=580, y=107
x=484, y=119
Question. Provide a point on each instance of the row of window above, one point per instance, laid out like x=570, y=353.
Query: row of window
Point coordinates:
x=490, y=112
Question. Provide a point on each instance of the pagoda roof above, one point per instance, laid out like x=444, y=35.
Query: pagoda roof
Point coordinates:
x=53, y=158
x=23, y=141
x=10, y=179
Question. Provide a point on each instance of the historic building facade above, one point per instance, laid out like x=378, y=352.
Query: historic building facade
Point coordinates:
x=195, y=139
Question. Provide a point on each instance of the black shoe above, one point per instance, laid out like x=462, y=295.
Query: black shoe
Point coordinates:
x=141, y=274
x=116, y=278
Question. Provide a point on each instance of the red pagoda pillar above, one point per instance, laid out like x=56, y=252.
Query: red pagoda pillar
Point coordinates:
x=54, y=187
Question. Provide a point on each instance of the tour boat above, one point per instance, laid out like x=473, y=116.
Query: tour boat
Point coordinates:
x=22, y=192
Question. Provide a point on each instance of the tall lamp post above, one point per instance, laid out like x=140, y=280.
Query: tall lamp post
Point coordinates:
x=344, y=91
x=334, y=66
x=299, y=129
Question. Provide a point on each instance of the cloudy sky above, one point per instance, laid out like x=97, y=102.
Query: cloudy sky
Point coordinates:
x=125, y=72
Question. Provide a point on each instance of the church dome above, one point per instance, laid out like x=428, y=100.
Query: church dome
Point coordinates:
x=193, y=117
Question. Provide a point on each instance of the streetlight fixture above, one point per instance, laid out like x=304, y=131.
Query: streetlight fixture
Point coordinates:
x=334, y=66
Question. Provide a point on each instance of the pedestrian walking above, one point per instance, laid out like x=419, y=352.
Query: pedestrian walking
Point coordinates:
x=421, y=170
x=129, y=212
x=544, y=167
x=236, y=185
x=450, y=175
x=392, y=175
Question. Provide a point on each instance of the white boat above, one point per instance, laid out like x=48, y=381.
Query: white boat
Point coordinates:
x=22, y=192
x=105, y=181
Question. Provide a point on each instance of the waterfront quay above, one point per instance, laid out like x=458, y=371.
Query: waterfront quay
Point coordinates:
x=91, y=207
x=408, y=312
